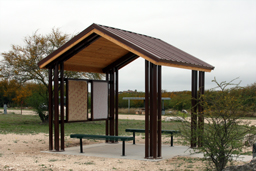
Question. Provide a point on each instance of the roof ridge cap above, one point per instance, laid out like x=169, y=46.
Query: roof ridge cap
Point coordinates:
x=128, y=31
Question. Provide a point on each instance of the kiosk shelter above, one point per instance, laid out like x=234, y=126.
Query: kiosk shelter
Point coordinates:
x=103, y=49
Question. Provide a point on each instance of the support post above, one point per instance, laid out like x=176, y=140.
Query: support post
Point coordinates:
x=62, y=104
x=154, y=114
x=159, y=120
x=146, y=109
x=56, y=108
x=5, y=109
x=200, y=108
x=112, y=101
x=50, y=110
x=151, y=110
x=116, y=85
x=194, y=109
x=107, y=121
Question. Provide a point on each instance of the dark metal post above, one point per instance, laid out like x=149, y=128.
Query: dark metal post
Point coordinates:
x=200, y=108
x=116, y=123
x=123, y=149
x=81, y=145
x=112, y=101
x=151, y=111
x=159, y=120
x=56, y=108
x=50, y=110
x=107, y=121
x=154, y=105
x=194, y=109
x=62, y=104
x=146, y=109
x=254, y=150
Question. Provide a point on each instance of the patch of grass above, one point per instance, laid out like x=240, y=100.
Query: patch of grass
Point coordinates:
x=42, y=165
x=53, y=160
x=1, y=154
x=190, y=166
x=247, y=153
x=89, y=163
x=86, y=163
x=31, y=124
x=120, y=161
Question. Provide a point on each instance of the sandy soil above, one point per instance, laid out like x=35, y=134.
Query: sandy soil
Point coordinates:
x=23, y=152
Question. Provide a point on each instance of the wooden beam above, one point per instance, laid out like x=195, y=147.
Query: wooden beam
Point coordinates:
x=81, y=68
x=183, y=66
x=76, y=49
x=43, y=65
x=121, y=61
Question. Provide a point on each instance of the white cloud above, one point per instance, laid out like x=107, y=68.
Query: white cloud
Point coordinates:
x=222, y=33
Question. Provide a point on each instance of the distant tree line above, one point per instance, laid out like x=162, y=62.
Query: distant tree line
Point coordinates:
x=14, y=94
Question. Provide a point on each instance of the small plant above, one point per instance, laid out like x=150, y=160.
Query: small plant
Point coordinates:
x=223, y=134
x=52, y=160
x=89, y=163
x=42, y=165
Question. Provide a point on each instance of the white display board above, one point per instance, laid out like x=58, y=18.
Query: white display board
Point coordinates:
x=99, y=100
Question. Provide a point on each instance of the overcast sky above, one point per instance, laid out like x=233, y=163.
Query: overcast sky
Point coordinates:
x=221, y=33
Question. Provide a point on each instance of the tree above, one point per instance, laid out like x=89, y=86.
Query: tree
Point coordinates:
x=21, y=62
x=38, y=101
x=224, y=131
x=8, y=90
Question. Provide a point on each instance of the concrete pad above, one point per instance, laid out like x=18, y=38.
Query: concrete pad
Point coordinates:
x=134, y=152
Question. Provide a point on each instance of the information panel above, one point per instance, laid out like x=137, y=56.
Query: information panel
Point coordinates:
x=99, y=100
x=77, y=100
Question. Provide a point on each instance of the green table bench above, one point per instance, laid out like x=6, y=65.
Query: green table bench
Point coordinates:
x=143, y=131
x=102, y=137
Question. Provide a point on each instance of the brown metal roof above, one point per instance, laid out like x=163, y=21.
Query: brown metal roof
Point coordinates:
x=99, y=47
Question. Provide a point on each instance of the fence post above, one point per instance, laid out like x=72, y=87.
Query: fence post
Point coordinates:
x=254, y=150
x=5, y=109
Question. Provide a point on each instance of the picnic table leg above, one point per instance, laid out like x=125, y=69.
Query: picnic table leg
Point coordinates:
x=134, y=137
x=171, y=140
x=81, y=145
x=123, y=149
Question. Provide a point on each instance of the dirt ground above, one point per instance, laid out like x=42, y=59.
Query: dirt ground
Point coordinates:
x=23, y=152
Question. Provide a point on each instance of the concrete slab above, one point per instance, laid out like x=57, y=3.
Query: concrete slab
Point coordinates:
x=134, y=152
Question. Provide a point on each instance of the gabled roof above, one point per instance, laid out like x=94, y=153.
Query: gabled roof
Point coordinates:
x=99, y=48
